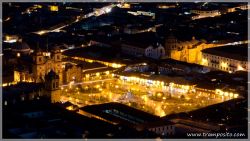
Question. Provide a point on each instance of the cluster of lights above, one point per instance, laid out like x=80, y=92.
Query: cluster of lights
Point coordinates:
x=227, y=94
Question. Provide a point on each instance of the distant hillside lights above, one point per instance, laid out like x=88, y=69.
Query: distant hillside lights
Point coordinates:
x=205, y=13
x=10, y=38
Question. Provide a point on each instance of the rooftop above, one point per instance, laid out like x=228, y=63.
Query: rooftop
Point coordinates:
x=101, y=53
x=21, y=88
x=238, y=52
x=128, y=115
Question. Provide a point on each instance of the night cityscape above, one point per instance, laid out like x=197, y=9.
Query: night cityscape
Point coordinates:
x=125, y=70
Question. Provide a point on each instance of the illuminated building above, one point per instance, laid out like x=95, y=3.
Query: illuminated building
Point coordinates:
x=186, y=51
x=72, y=73
x=166, y=83
x=226, y=58
x=42, y=64
x=85, y=71
x=242, y=7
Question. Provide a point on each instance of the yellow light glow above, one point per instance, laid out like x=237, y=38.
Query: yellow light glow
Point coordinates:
x=159, y=94
x=7, y=38
x=107, y=72
x=223, y=64
x=41, y=32
x=226, y=93
x=204, y=61
x=53, y=8
x=5, y=84
x=70, y=108
x=39, y=6
x=236, y=95
x=162, y=83
x=218, y=91
x=231, y=94
x=240, y=68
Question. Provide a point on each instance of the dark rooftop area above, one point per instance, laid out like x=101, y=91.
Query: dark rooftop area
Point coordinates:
x=131, y=115
x=238, y=52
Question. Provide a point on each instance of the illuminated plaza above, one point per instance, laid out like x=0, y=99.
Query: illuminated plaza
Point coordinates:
x=151, y=96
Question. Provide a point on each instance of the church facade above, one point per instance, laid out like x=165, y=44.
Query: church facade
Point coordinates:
x=43, y=63
x=186, y=51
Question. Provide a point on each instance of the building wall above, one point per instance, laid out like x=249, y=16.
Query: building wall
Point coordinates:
x=132, y=50
x=72, y=74
x=155, y=53
x=55, y=96
x=223, y=63
x=151, y=52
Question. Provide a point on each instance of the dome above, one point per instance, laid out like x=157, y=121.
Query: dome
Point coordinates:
x=171, y=38
x=21, y=47
x=51, y=75
x=38, y=51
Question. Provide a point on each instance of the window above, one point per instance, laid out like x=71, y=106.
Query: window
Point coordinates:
x=53, y=85
x=57, y=84
x=58, y=56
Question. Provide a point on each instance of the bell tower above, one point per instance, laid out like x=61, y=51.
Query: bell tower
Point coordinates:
x=52, y=86
x=38, y=65
x=38, y=57
x=171, y=43
x=56, y=56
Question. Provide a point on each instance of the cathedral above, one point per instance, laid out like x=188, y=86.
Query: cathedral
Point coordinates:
x=44, y=62
x=186, y=51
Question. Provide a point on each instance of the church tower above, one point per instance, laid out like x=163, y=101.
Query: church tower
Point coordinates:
x=52, y=86
x=38, y=65
x=56, y=57
x=171, y=43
